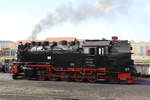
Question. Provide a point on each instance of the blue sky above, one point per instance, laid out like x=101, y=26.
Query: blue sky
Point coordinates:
x=18, y=18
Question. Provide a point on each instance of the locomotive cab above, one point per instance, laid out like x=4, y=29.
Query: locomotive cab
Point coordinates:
x=95, y=51
x=96, y=47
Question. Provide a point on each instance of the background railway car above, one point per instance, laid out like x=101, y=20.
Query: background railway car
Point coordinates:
x=143, y=69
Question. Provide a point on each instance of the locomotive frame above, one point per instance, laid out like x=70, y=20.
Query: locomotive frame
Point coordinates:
x=61, y=66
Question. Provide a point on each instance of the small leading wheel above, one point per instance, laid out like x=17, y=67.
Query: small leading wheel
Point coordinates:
x=78, y=77
x=92, y=78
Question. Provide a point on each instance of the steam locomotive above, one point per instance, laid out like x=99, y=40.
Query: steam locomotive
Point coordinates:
x=89, y=60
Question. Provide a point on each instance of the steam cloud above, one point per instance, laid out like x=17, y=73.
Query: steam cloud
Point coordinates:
x=97, y=9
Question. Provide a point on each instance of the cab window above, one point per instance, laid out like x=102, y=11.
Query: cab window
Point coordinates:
x=101, y=51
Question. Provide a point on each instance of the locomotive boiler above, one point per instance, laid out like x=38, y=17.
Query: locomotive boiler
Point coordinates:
x=89, y=60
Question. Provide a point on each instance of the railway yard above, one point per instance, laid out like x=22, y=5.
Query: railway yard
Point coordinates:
x=60, y=90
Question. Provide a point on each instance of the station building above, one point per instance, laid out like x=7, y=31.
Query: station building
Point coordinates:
x=5, y=47
x=141, y=49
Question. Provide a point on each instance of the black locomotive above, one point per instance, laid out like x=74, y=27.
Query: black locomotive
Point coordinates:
x=89, y=60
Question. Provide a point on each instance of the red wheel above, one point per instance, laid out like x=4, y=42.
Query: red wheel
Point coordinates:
x=115, y=80
x=92, y=78
x=78, y=77
x=50, y=76
x=64, y=76
x=41, y=78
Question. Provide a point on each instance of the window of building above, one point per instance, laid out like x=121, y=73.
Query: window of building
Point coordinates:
x=142, y=51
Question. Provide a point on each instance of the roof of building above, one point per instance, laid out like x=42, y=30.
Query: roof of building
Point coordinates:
x=6, y=41
x=61, y=39
x=14, y=47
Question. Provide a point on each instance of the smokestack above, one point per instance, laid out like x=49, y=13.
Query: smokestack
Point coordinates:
x=97, y=9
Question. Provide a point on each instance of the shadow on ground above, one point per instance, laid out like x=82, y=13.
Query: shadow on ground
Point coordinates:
x=144, y=81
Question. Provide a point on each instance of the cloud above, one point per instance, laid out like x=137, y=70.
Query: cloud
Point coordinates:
x=104, y=7
x=72, y=0
x=147, y=8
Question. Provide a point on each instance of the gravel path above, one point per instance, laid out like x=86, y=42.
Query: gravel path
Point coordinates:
x=59, y=90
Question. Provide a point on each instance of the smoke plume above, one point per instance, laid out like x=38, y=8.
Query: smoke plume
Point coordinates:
x=97, y=9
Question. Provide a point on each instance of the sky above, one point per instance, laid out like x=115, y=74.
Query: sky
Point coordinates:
x=127, y=19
